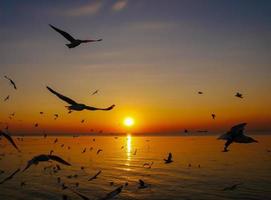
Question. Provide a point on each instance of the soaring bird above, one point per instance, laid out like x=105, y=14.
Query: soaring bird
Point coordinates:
x=169, y=159
x=141, y=184
x=95, y=176
x=9, y=138
x=73, y=42
x=95, y=92
x=112, y=194
x=239, y=95
x=99, y=150
x=7, y=98
x=213, y=116
x=77, y=106
x=236, y=134
x=10, y=176
x=44, y=158
x=12, y=82
x=199, y=92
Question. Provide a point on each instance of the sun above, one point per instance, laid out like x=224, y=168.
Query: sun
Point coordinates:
x=128, y=121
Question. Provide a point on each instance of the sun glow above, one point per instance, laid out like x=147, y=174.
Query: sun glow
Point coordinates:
x=128, y=121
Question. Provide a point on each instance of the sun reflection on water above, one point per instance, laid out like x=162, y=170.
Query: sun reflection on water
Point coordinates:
x=129, y=146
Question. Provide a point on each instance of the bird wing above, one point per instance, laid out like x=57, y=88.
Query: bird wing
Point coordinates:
x=238, y=129
x=112, y=194
x=62, y=97
x=95, y=176
x=63, y=33
x=58, y=159
x=106, y=109
x=10, y=177
x=141, y=182
x=9, y=138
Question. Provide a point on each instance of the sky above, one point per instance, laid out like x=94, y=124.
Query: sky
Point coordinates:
x=154, y=58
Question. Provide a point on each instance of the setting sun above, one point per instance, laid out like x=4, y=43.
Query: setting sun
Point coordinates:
x=128, y=121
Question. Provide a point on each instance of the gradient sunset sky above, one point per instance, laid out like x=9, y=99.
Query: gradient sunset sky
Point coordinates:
x=154, y=58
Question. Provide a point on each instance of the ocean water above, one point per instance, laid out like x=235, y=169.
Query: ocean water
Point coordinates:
x=248, y=164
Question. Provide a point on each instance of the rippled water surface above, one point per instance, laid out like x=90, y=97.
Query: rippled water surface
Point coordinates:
x=199, y=171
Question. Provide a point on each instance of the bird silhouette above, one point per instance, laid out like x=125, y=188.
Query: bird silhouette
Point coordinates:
x=95, y=176
x=45, y=158
x=213, y=116
x=169, y=159
x=10, y=176
x=73, y=42
x=112, y=194
x=99, y=150
x=9, y=138
x=239, y=95
x=77, y=106
x=95, y=92
x=236, y=134
x=7, y=98
x=232, y=187
x=11, y=82
x=142, y=184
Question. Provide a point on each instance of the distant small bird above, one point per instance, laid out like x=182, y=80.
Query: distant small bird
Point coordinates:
x=147, y=165
x=73, y=42
x=213, y=116
x=51, y=152
x=95, y=92
x=77, y=106
x=233, y=187
x=23, y=183
x=41, y=113
x=135, y=152
x=82, y=121
x=56, y=140
x=169, y=159
x=95, y=176
x=56, y=116
x=236, y=134
x=239, y=95
x=185, y=130
x=99, y=150
x=45, y=158
x=142, y=184
x=12, y=82
x=10, y=176
x=9, y=138
x=84, y=150
x=199, y=92
x=7, y=98
x=112, y=194
x=36, y=125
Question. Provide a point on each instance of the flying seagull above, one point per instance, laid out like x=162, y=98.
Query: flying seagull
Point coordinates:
x=236, y=134
x=77, y=106
x=10, y=176
x=232, y=187
x=95, y=92
x=42, y=158
x=239, y=95
x=169, y=159
x=95, y=176
x=112, y=194
x=75, y=192
x=9, y=138
x=199, y=92
x=213, y=116
x=142, y=184
x=12, y=82
x=7, y=98
x=73, y=42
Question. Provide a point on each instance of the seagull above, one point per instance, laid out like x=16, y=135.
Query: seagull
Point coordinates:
x=95, y=176
x=84, y=150
x=10, y=176
x=239, y=95
x=99, y=150
x=56, y=140
x=41, y=113
x=73, y=42
x=56, y=116
x=9, y=138
x=169, y=159
x=233, y=187
x=77, y=106
x=147, y=165
x=112, y=194
x=135, y=152
x=95, y=92
x=36, y=125
x=199, y=92
x=7, y=98
x=42, y=158
x=12, y=82
x=75, y=192
x=213, y=116
x=142, y=184
x=236, y=134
